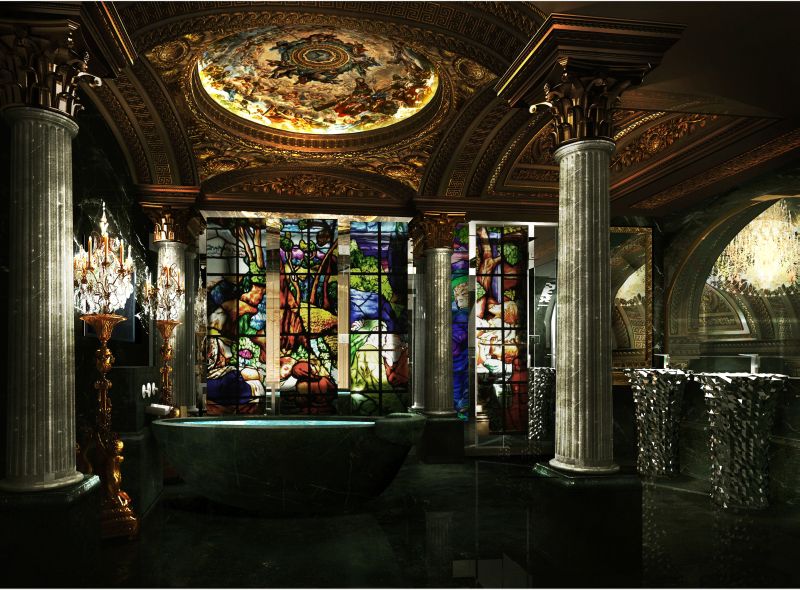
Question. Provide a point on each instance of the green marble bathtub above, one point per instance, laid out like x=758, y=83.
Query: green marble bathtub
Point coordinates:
x=286, y=464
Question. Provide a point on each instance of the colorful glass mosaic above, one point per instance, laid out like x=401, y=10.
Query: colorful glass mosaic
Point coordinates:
x=460, y=309
x=308, y=337
x=379, y=350
x=501, y=359
x=236, y=318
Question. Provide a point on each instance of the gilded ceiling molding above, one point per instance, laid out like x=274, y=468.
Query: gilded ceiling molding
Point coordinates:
x=772, y=149
x=657, y=139
x=309, y=184
x=164, y=107
x=497, y=147
x=129, y=140
x=491, y=41
x=433, y=179
x=41, y=66
x=138, y=104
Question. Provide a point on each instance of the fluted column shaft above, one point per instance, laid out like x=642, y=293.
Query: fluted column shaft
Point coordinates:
x=173, y=254
x=584, y=421
x=418, y=375
x=187, y=394
x=439, y=333
x=40, y=448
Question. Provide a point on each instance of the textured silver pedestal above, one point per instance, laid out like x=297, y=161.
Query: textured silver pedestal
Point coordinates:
x=658, y=397
x=40, y=449
x=439, y=333
x=541, y=403
x=741, y=409
x=584, y=422
x=171, y=253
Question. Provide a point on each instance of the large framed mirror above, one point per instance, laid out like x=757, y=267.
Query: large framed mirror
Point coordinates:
x=632, y=296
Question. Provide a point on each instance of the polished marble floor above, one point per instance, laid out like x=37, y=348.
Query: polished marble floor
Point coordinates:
x=484, y=523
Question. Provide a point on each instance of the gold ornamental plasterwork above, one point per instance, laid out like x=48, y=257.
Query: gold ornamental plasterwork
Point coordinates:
x=658, y=138
x=772, y=149
x=308, y=185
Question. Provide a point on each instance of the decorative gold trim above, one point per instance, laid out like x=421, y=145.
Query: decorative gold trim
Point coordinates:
x=768, y=151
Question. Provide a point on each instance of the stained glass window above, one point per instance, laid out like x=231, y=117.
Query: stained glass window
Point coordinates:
x=308, y=364
x=501, y=363
x=236, y=318
x=379, y=368
x=460, y=309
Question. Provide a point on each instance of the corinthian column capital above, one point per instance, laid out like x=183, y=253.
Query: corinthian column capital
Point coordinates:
x=581, y=97
x=41, y=66
x=434, y=229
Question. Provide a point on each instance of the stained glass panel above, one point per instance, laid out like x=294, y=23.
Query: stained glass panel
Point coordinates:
x=236, y=318
x=501, y=360
x=308, y=252
x=379, y=368
x=460, y=309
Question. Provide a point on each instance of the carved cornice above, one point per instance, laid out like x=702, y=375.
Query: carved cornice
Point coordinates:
x=434, y=229
x=616, y=49
x=40, y=65
x=773, y=149
x=658, y=138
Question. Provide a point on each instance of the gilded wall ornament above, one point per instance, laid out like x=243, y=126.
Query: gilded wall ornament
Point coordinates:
x=658, y=138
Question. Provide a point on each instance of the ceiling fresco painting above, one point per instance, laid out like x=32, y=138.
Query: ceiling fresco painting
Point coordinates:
x=317, y=80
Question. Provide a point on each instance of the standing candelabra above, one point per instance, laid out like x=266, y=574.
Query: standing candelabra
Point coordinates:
x=103, y=281
x=164, y=301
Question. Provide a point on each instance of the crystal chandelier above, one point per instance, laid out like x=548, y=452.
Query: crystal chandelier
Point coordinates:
x=763, y=258
x=102, y=275
x=164, y=300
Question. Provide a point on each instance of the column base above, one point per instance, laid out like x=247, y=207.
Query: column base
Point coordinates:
x=53, y=535
x=587, y=479
x=23, y=486
x=599, y=470
x=442, y=440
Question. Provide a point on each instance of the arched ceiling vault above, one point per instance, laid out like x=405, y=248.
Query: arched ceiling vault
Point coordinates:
x=465, y=150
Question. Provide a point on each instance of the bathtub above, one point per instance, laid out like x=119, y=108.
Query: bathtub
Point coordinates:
x=285, y=464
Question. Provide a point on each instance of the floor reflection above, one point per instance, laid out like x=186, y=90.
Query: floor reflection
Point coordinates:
x=483, y=524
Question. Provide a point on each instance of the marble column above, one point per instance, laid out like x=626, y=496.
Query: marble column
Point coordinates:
x=40, y=449
x=584, y=420
x=172, y=254
x=418, y=358
x=42, y=68
x=573, y=73
x=186, y=394
x=438, y=334
x=433, y=233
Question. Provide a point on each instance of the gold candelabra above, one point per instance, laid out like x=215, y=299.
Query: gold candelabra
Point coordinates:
x=103, y=283
x=164, y=301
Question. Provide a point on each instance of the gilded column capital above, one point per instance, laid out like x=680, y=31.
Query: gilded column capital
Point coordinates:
x=581, y=97
x=176, y=224
x=434, y=229
x=40, y=66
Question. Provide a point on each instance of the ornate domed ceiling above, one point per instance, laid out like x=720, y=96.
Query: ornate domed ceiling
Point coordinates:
x=317, y=80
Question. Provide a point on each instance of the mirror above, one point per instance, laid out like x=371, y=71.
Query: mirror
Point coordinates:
x=632, y=296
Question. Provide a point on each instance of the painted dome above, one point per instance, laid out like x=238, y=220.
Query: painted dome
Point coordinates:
x=317, y=80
